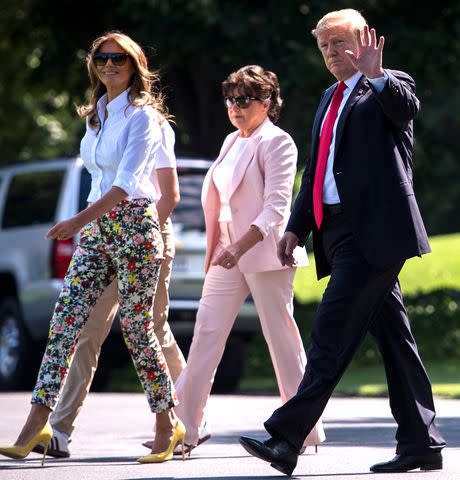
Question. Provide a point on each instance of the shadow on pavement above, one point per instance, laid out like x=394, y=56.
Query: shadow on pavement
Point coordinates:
x=266, y=477
x=372, y=432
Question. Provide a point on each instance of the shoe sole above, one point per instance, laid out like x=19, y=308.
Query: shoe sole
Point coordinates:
x=281, y=467
x=427, y=467
x=432, y=466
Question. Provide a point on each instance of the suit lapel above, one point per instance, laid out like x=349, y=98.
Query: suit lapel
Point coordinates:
x=247, y=155
x=320, y=112
x=208, y=184
x=360, y=89
x=242, y=164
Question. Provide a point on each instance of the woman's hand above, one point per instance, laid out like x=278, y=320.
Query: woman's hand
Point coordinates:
x=65, y=229
x=229, y=257
x=68, y=228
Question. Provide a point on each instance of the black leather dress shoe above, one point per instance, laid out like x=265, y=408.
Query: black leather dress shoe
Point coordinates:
x=278, y=452
x=404, y=463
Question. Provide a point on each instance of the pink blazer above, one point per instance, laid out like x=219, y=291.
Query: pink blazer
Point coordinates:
x=261, y=193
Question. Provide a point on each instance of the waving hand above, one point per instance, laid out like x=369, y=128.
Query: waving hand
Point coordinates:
x=368, y=56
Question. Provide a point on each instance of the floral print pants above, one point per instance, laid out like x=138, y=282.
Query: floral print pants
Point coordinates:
x=125, y=242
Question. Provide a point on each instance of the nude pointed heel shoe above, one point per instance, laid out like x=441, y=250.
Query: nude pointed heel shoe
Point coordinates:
x=178, y=436
x=43, y=436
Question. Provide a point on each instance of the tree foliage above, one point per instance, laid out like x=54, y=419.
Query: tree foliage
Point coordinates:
x=196, y=44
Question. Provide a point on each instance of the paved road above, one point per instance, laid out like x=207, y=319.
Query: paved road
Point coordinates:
x=112, y=426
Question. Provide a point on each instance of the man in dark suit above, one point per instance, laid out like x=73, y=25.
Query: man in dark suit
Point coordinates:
x=357, y=199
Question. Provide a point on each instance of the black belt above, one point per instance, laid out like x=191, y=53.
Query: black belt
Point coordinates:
x=329, y=210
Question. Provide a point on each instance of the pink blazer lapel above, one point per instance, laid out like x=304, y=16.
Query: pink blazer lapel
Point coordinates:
x=242, y=164
x=208, y=178
x=247, y=155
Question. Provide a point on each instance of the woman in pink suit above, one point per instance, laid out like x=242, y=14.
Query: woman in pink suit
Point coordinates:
x=246, y=199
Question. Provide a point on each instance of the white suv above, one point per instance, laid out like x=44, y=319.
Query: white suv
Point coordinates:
x=33, y=197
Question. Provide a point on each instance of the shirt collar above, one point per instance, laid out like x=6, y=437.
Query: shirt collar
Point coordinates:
x=353, y=80
x=118, y=103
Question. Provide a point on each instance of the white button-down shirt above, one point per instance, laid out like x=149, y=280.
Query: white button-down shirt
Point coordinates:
x=330, y=192
x=131, y=143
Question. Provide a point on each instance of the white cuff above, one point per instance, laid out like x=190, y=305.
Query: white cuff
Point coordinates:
x=379, y=83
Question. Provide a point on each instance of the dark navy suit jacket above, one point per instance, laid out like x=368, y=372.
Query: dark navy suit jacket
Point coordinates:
x=373, y=172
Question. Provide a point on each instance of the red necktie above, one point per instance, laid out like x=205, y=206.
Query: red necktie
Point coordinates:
x=323, y=152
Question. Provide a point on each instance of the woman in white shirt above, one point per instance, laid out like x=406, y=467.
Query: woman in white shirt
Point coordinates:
x=119, y=237
x=246, y=199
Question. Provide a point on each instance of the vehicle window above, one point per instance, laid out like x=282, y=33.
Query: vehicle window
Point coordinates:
x=32, y=198
x=85, y=187
x=188, y=214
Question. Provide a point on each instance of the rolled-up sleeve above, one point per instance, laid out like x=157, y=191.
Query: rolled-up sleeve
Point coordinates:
x=164, y=155
x=144, y=137
x=280, y=166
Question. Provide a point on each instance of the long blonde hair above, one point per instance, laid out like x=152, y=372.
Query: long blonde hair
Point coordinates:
x=144, y=83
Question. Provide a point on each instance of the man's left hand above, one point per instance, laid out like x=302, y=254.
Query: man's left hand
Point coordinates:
x=368, y=56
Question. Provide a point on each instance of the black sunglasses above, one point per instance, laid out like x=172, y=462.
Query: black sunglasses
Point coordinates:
x=101, y=58
x=241, y=102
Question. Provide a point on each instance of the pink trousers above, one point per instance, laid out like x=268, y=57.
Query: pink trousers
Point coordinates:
x=224, y=292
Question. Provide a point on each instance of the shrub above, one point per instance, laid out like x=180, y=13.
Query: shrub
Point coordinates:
x=435, y=323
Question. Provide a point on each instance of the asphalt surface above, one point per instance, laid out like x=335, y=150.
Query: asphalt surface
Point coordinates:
x=111, y=428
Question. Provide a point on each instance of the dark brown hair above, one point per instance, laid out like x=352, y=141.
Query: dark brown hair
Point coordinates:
x=255, y=81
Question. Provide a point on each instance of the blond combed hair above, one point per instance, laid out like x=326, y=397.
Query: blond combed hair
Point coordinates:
x=144, y=88
x=340, y=17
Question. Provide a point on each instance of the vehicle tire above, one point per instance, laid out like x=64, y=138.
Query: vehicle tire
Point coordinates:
x=231, y=367
x=17, y=351
x=114, y=355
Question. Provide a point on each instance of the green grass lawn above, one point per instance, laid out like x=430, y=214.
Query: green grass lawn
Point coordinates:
x=370, y=381
x=439, y=269
x=436, y=271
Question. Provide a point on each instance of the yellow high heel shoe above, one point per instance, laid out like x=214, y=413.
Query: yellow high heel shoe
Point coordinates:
x=43, y=436
x=178, y=436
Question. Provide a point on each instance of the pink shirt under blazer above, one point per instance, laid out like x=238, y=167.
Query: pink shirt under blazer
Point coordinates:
x=261, y=193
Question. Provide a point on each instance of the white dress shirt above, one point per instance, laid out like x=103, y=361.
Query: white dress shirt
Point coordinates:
x=131, y=142
x=164, y=155
x=330, y=192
